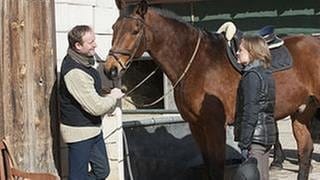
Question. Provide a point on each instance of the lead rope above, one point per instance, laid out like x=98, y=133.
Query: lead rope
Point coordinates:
x=175, y=84
x=127, y=154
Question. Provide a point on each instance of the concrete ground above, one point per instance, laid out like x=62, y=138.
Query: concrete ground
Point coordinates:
x=290, y=167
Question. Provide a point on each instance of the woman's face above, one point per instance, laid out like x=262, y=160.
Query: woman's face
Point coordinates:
x=243, y=55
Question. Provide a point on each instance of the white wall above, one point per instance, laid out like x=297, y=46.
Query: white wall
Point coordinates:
x=100, y=14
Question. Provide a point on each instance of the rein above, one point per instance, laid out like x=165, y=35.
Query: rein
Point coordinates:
x=173, y=86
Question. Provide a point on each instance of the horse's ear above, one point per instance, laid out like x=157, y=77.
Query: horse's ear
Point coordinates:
x=142, y=8
x=120, y=4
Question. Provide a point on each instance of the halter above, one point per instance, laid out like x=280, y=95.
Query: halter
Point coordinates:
x=131, y=53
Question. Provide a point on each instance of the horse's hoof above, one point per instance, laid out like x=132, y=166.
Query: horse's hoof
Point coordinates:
x=276, y=166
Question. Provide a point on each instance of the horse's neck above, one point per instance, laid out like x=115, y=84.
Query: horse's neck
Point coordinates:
x=172, y=44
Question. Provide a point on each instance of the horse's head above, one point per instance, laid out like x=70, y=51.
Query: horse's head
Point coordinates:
x=128, y=40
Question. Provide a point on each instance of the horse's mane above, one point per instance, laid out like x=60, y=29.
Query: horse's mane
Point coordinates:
x=168, y=14
x=172, y=16
x=162, y=12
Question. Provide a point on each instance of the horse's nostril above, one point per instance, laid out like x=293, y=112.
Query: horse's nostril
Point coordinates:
x=113, y=73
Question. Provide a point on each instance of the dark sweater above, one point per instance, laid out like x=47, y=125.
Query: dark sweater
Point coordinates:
x=71, y=111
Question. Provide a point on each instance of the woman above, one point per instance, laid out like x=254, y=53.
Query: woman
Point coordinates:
x=255, y=127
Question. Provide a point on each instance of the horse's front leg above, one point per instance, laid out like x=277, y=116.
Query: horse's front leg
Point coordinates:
x=216, y=139
x=278, y=154
x=212, y=146
x=301, y=130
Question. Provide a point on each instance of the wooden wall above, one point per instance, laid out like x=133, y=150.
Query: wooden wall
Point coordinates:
x=27, y=74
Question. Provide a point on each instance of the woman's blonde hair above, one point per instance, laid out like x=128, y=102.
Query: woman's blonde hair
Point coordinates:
x=257, y=48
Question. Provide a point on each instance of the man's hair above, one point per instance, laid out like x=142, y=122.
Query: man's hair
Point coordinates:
x=76, y=34
x=257, y=48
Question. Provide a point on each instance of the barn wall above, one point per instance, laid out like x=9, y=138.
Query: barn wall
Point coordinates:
x=27, y=73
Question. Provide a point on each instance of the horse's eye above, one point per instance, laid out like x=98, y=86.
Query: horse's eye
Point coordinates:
x=135, y=32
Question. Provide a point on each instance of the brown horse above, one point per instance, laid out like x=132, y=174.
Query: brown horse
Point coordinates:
x=205, y=96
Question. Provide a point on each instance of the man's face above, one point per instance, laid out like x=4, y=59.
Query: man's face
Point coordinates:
x=88, y=46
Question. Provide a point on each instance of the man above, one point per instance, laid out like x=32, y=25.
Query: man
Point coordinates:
x=81, y=107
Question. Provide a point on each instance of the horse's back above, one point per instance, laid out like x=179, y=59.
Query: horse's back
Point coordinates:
x=305, y=51
x=295, y=85
x=304, y=45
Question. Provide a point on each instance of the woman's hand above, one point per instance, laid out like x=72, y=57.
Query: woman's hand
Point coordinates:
x=245, y=153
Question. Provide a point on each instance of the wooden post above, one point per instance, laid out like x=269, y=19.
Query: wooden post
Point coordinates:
x=28, y=74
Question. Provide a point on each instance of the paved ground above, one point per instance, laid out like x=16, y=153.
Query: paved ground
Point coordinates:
x=290, y=165
x=289, y=145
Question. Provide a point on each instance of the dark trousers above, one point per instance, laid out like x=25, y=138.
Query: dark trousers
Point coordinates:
x=91, y=151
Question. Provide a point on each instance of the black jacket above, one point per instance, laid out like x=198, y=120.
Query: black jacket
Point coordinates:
x=255, y=107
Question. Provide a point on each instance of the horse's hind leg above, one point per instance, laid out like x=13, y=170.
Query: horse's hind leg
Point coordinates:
x=278, y=154
x=301, y=131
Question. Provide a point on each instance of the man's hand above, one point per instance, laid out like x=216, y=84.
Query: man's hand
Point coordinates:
x=116, y=93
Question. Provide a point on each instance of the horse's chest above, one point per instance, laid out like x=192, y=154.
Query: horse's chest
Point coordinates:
x=190, y=100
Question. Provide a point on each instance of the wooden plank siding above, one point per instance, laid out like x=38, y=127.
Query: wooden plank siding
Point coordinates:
x=28, y=75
